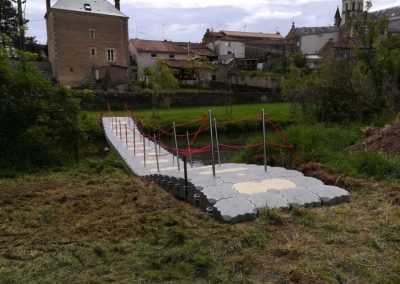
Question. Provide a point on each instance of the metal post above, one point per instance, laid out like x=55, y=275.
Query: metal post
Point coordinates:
x=264, y=139
x=173, y=155
x=126, y=135
x=217, y=142
x=144, y=151
x=116, y=127
x=212, y=142
x=155, y=147
x=185, y=171
x=190, y=151
x=120, y=131
x=176, y=148
x=159, y=142
x=134, y=139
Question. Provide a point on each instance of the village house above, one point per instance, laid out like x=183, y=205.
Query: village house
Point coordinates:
x=249, y=49
x=145, y=53
x=87, y=42
x=340, y=39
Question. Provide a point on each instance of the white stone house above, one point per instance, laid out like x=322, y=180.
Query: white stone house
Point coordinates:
x=145, y=53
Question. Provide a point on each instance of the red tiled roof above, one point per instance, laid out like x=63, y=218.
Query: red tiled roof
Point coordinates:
x=198, y=49
x=157, y=46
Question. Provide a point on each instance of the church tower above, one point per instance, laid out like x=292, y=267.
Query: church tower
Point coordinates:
x=351, y=9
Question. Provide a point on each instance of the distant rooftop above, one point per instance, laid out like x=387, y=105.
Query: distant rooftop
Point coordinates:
x=102, y=7
x=302, y=31
x=244, y=35
x=393, y=12
x=157, y=46
x=252, y=35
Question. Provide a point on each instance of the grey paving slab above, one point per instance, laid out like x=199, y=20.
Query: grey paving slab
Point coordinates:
x=330, y=195
x=236, y=194
x=236, y=209
x=268, y=200
x=301, y=197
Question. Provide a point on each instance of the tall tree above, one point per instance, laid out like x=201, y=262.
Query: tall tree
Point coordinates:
x=8, y=20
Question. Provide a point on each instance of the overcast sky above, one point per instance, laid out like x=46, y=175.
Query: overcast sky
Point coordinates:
x=187, y=20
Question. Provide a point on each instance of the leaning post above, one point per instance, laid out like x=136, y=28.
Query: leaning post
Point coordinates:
x=217, y=142
x=176, y=148
x=212, y=142
x=190, y=151
x=155, y=148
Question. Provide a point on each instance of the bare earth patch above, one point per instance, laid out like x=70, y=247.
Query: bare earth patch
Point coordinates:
x=386, y=139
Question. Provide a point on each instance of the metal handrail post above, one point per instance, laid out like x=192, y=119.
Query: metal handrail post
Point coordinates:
x=264, y=139
x=155, y=147
x=190, y=151
x=217, y=142
x=212, y=142
x=144, y=151
x=176, y=148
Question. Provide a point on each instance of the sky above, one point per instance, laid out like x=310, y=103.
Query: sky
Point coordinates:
x=187, y=20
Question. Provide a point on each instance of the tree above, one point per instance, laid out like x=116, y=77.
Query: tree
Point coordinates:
x=8, y=21
x=39, y=123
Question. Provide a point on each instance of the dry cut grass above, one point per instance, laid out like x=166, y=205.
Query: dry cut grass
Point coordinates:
x=97, y=223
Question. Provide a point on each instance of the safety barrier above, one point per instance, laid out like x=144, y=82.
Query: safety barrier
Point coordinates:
x=206, y=124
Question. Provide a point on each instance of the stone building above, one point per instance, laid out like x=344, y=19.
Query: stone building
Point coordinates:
x=145, y=53
x=340, y=40
x=87, y=41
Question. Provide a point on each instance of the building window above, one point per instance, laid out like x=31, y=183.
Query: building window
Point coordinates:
x=93, y=52
x=153, y=55
x=111, y=55
x=347, y=7
x=172, y=56
x=229, y=44
x=92, y=33
x=354, y=6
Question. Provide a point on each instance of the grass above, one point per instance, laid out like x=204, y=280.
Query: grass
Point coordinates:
x=279, y=112
x=97, y=223
x=326, y=144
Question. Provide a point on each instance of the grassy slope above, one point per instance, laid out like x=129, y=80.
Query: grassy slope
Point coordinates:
x=98, y=223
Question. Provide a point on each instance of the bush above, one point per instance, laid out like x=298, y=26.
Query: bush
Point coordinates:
x=39, y=124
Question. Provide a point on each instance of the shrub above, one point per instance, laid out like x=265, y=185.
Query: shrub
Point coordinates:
x=39, y=124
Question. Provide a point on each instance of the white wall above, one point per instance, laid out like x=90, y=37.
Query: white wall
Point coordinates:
x=312, y=44
x=222, y=47
x=144, y=59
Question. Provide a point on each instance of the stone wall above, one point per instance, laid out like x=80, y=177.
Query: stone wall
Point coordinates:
x=142, y=100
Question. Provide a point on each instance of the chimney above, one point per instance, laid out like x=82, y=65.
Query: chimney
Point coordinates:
x=117, y=4
x=48, y=5
x=208, y=30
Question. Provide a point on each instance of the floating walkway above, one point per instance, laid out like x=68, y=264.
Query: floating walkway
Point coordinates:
x=236, y=194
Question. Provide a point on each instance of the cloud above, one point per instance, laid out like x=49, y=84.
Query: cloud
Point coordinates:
x=188, y=20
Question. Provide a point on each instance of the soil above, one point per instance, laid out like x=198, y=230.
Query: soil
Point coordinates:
x=386, y=139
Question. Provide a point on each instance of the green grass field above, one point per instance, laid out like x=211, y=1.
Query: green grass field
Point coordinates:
x=279, y=112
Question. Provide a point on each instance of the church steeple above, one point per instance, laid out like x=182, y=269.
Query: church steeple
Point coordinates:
x=338, y=18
